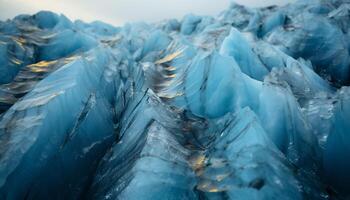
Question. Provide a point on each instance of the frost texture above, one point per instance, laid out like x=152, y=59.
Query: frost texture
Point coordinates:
x=251, y=104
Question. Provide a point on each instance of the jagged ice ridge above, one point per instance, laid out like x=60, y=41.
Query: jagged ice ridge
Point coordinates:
x=251, y=104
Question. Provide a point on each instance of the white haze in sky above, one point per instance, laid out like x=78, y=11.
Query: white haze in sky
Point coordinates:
x=118, y=12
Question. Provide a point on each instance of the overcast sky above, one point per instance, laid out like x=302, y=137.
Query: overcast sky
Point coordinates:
x=118, y=12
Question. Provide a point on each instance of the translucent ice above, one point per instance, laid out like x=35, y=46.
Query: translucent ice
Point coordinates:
x=64, y=143
x=235, y=45
x=337, y=147
x=251, y=104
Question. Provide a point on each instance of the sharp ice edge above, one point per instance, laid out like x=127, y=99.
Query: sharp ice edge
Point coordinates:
x=251, y=104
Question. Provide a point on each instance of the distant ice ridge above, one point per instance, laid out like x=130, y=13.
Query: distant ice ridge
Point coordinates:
x=251, y=104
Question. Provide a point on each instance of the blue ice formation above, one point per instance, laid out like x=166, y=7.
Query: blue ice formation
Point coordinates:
x=251, y=104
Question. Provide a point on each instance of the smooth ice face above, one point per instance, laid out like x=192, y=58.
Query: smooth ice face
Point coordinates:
x=208, y=85
x=189, y=24
x=236, y=46
x=252, y=104
x=336, y=160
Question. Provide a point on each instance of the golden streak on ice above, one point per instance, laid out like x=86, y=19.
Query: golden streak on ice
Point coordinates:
x=169, y=57
x=16, y=61
x=41, y=66
x=170, y=68
x=197, y=162
x=207, y=186
x=171, y=76
x=43, y=63
x=38, y=70
x=222, y=177
x=213, y=190
x=69, y=59
x=19, y=41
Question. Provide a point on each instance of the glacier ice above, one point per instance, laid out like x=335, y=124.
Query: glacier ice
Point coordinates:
x=251, y=104
x=235, y=45
x=335, y=154
x=33, y=130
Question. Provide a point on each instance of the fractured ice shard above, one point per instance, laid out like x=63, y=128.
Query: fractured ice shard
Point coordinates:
x=251, y=104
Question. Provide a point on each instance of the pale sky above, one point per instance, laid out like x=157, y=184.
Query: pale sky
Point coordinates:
x=118, y=12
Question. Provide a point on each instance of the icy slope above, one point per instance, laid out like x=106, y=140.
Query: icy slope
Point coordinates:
x=251, y=104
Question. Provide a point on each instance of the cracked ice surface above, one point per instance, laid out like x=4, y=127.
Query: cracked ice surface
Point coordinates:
x=250, y=104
